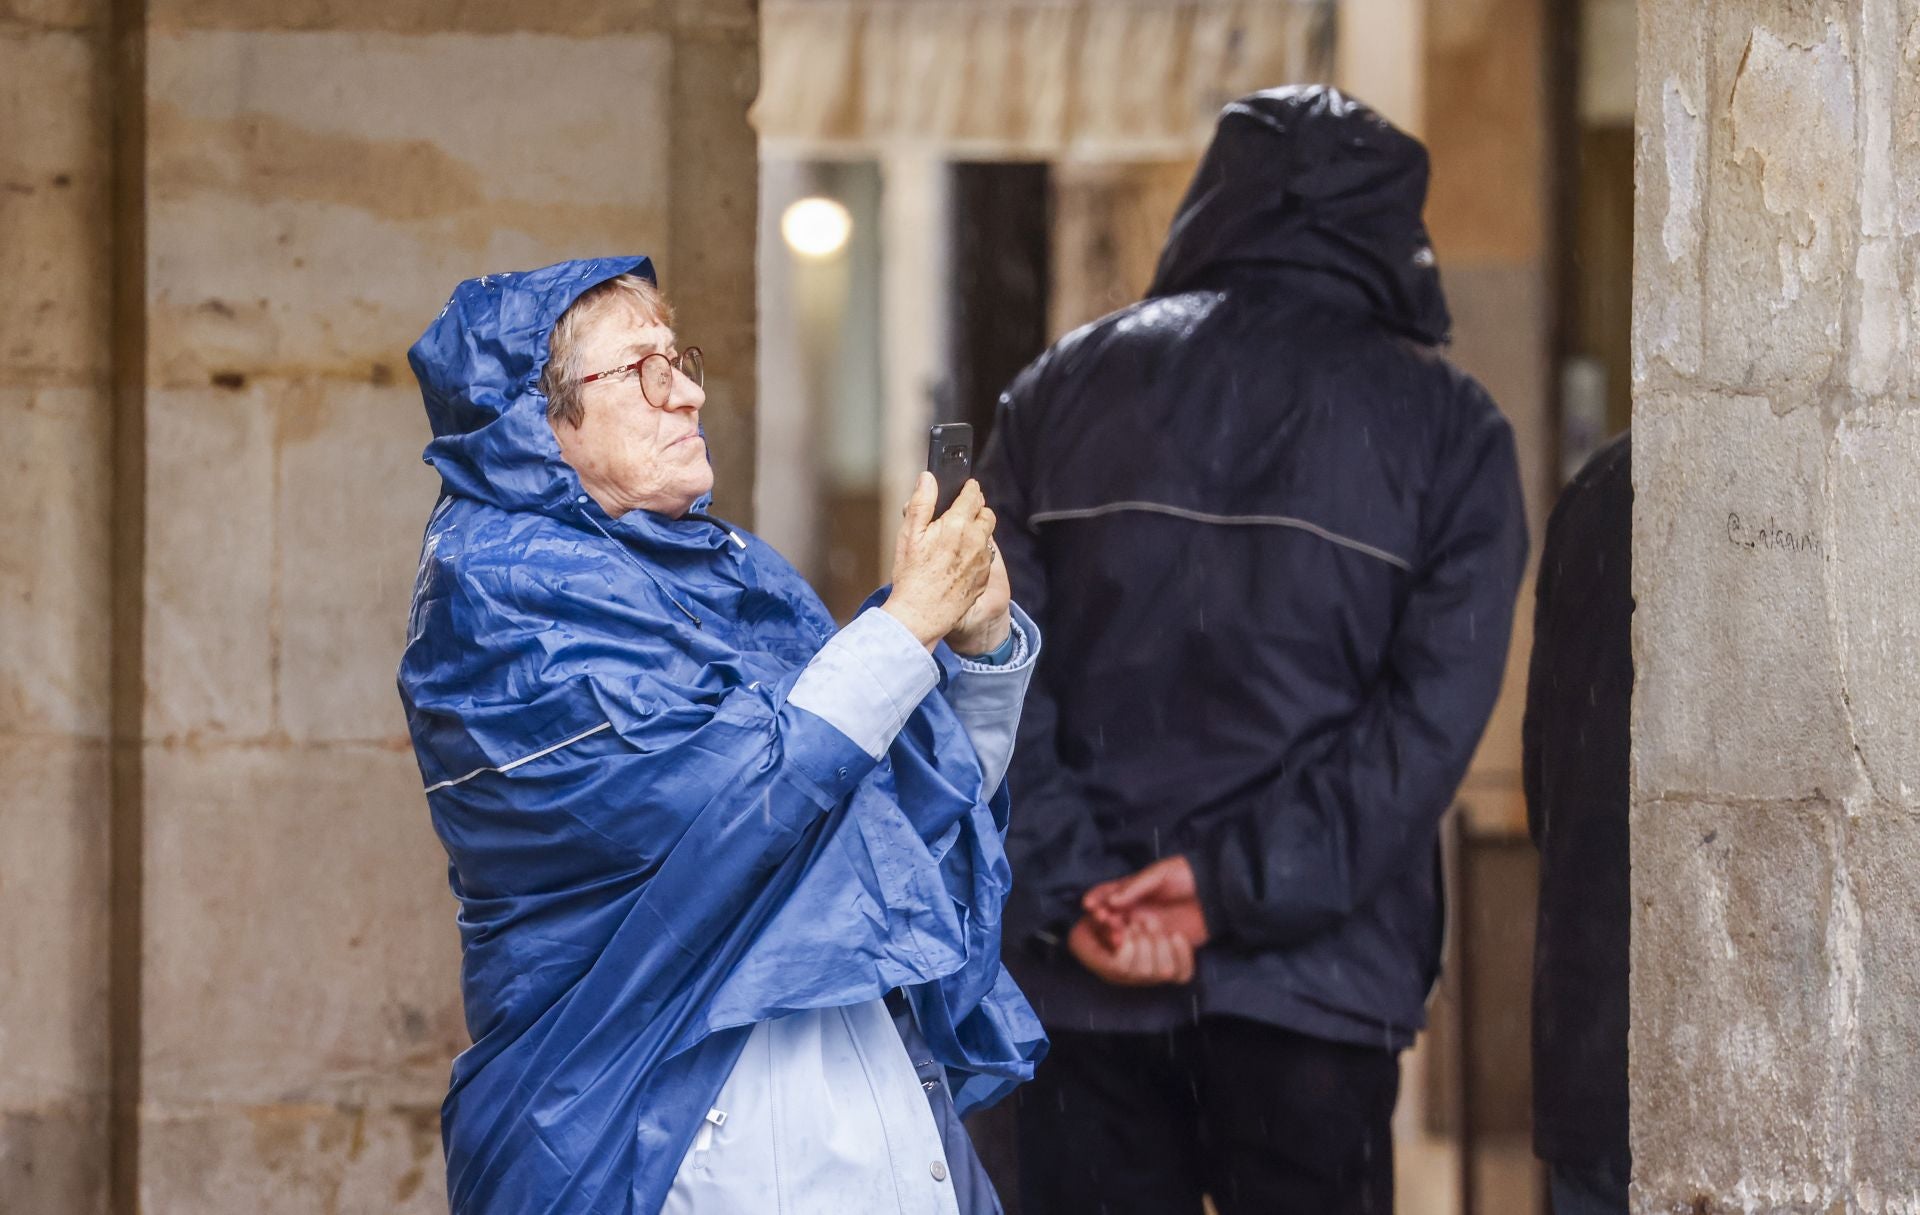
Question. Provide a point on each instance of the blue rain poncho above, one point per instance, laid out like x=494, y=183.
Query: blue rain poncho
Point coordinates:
x=651, y=849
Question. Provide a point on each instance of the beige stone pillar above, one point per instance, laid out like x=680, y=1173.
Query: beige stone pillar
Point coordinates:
x=320, y=177
x=1485, y=128
x=55, y=583
x=1776, y=778
x=701, y=151
x=1485, y=104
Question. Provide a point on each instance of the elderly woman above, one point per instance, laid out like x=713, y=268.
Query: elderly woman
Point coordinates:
x=730, y=881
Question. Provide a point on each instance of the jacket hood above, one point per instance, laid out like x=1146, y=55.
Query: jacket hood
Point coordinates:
x=1307, y=177
x=479, y=367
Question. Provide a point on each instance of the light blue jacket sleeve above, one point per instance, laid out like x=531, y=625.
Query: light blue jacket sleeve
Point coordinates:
x=868, y=680
x=987, y=699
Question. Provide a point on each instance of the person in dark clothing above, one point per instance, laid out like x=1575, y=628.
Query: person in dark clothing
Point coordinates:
x=1579, y=699
x=1277, y=539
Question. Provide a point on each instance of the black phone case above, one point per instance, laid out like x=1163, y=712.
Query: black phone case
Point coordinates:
x=950, y=460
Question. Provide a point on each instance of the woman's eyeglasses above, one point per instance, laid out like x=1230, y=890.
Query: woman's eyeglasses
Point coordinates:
x=656, y=374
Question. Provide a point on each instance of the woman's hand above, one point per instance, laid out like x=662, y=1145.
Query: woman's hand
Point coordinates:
x=989, y=622
x=940, y=566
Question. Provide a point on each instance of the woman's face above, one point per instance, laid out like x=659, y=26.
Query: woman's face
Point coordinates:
x=631, y=454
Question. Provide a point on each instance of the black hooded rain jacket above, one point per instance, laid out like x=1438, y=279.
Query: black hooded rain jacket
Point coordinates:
x=1274, y=539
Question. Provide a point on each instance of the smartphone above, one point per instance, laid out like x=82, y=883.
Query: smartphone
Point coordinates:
x=950, y=460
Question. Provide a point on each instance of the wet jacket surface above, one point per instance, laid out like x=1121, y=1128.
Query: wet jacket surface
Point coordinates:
x=1577, y=743
x=1274, y=539
x=653, y=851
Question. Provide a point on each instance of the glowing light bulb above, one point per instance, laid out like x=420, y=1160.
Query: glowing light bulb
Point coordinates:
x=816, y=227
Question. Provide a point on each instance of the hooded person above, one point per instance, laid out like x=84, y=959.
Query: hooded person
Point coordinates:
x=1275, y=539
x=730, y=880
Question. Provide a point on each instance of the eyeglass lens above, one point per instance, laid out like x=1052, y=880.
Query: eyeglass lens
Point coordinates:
x=656, y=374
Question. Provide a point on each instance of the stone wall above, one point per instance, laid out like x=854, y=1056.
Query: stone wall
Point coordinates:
x=314, y=179
x=1776, y=848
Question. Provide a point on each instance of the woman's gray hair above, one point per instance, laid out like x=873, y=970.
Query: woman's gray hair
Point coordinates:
x=560, y=381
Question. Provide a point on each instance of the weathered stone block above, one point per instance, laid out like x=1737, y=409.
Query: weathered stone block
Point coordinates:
x=53, y=1159
x=1738, y=690
x=1751, y=185
x=364, y=175
x=294, y=1160
x=210, y=610
x=1876, y=589
x=301, y=943
x=1883, y=854
x=53, y=897
x=353, y=499
x=1781, y=195
x=1670, y=192
x=1736, y=1009
x=52, y=209
x=54, y=496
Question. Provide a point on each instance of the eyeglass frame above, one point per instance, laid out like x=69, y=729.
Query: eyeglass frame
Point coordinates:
x=675, y=363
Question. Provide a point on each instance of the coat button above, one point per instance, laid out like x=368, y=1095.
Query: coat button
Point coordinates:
x=939, y=1170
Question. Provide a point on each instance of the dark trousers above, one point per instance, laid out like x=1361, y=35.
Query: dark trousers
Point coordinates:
x=1265, y=1121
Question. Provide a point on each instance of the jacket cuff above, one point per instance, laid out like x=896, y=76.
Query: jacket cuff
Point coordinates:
x=988, y=700
x=1039, y=921
x=1206, y=887
x=1018, y=652
x=823, y=760
x=867, y=681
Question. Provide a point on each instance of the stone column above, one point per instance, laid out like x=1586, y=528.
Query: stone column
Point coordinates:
x=1776, y=804
x=1487, y=209
x=319, y=177
x=55, y=584
x=700, y=151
